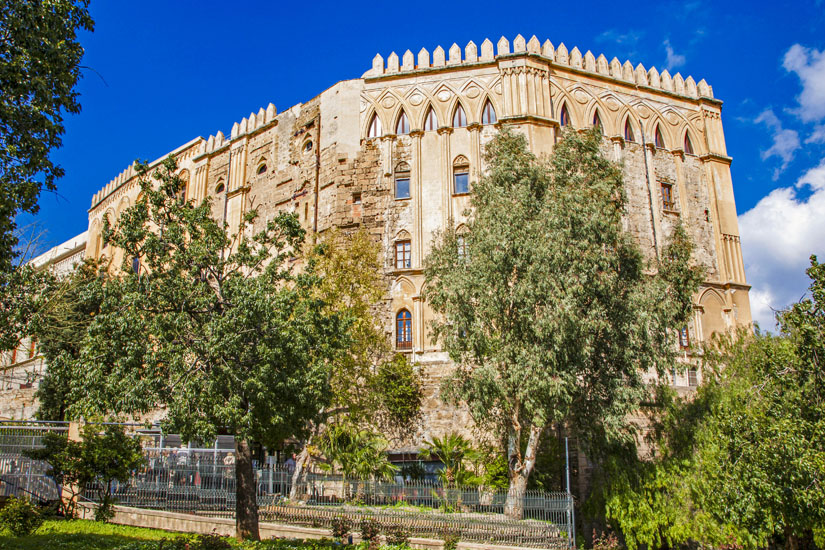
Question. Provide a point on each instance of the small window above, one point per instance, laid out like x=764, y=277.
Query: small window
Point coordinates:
x=488, y=115
x=403, y=254
x=667, y=196
x=403, y=125
x=308, y=146
x=136, y=265
x=430, y=121
x=628, y=131
x=402, y=181
x=688, y=144
x=684, y=338
x=403, y=330
x=220, y=188
x=659, y=139
x=597, y=121
x=375, y=129
x=693, y=378
x=459, y=117
x=182, y=192
x=261, y=169
x=564, y=117
x=461, y=176
x=356, y=198
x=461, y=245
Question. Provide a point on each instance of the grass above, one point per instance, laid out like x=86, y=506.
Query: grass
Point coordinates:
x=92, y=535
x=81, y=535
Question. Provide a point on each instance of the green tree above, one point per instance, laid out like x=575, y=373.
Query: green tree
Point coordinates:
x=742, y=462
x=359, y=454
x=452, y=450
x=70, y=306
x=39, y=68
x=99, y=459
x=370, y=386
x=219, y=329
x=546, y=304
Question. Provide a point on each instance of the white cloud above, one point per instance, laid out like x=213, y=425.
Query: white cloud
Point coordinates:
x=785, y=141
x=779, y=235
x=674, y=60
x=818, y=135
x=809, y=66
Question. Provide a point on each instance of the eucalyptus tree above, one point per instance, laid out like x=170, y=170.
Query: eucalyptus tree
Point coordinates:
x=218, y=329
x=546, y=303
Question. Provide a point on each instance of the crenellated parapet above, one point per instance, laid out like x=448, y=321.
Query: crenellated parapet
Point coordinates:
x=560, y=56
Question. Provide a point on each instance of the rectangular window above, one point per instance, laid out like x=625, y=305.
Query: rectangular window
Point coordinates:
x=693, y=378
x=403, y=255
x=461, y=182
x=356, y=198
x=684, y=338
x=667, y=196
x=402, y=188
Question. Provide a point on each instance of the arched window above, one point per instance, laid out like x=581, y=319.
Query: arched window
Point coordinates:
x=659, y=140
x=220, y=187
x=261, y=169
x=135, y=265
x=628, y=130
x=488, y=115
x=403, y=125
x=688, y=144
x=459, y=117
x=430, y=121
x=308, y=146
x=461, y=175
x=184, y=185
x=564, y=117
x=597, y=121
x=375, y=127
x=402, y=181
x=403, y=330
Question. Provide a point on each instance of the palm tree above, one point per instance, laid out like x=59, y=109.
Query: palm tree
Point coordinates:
x=359, y=454
x=451, y=450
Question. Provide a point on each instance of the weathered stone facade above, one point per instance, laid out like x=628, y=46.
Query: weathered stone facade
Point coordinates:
x=336, y=161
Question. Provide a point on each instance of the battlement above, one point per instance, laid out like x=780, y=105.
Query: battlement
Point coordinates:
x=247, y=125
x=624, y=72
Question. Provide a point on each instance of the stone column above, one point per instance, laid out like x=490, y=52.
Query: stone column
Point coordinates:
x=655, y=197
x=446, y=171
x=475, y=148
x=416, y=191
x=684, y=203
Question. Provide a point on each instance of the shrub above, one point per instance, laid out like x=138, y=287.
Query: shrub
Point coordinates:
x=450, y=539
x=605, y=541
x=397, y=535
x=341, y=527
x=370, y=532
x=19, y=517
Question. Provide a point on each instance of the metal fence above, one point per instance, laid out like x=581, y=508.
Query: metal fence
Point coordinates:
x=202, y=481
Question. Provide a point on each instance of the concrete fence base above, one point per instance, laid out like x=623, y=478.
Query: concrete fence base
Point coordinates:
x=189, y=523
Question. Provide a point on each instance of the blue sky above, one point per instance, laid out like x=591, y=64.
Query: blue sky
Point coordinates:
x=163, y=72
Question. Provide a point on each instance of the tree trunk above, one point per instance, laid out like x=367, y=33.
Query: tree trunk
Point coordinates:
x=246, y=500
x=791, y=540
x=299, y=475
x=520, y=469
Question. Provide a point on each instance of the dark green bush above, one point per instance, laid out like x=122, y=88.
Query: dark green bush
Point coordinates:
x=20, y=517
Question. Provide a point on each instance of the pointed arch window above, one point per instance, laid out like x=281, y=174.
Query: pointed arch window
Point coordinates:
x=430, y=121
x=261, y=169
x=461, y=175
x=488, y=115
x=659, y=140
x=402, y=181
x=597, y=121
x=688, y=144
x=628, y=131
x=402, y=127
x=403, y=330
x=459, y=117
x=564, y=117
x=375, y=129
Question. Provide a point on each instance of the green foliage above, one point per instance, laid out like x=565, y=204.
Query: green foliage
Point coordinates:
x=397, y=387
x=451, y=450
x=39, y=68
x=451, y=539
x=740, y=464
x=371, y=532
x=341, y=528
x=20, y=517
x=397, y=536
x=101, y=458
x=553, y=317
x=357, y=453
